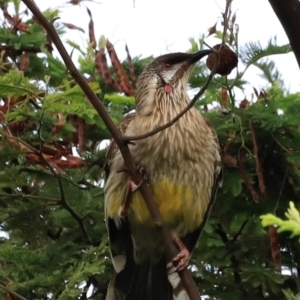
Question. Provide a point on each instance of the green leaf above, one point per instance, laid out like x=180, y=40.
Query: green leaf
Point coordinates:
x=253, y=51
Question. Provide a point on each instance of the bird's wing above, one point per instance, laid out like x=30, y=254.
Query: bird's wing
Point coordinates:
x=118, y=234
x=113, y=147
x=190, y=240
x=149, y=283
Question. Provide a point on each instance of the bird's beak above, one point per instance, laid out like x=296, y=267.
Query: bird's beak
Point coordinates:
x=190, y=61
x=197, y=56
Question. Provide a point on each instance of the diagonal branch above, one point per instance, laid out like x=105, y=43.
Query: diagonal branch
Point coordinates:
x=288, y=12
x=171, y=250
x=10, y=291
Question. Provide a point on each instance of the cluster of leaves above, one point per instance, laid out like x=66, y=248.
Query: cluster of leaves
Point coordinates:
x=292, y=224
x=54, y=242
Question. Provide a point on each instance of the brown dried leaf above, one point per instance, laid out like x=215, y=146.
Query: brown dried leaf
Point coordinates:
x=71, y=162
x=233, y=19
x=255, y=91
x=91, y=30
x=17, y=128
x=7, y=16
x=72, y=26
x=49, y=43
x=212, y=30
x=224, y=97
x=102, y=68
x=77, y=2
x=261, y=181
x=244, y=103
x=7, y=297
x=130, y=64
x=47, y=150
x=81, y=135
x=230, y=161
x=61, y=122
x=26, y=190
x=124, y=82
x=231, y=38
x=245, y=176
x=275, y=247
x=14, y=21
x=263, y=94
x=19, y=25
x=25, y=60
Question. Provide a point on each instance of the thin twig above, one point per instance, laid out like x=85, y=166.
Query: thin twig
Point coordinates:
x=261, y=181
x=10, y=291
x=239, y=231
x=55, y=200
x=234, y=262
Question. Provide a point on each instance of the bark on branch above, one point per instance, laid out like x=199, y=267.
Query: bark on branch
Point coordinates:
x=288, y=13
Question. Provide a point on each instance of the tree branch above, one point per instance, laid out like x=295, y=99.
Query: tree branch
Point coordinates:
x=234, y=261
x=288, y=12
x=170, y=249
x=10, y=291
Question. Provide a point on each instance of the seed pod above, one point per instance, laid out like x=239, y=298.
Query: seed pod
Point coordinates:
x=228, y=60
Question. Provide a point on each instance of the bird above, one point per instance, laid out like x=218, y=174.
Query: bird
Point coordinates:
x=182, y=166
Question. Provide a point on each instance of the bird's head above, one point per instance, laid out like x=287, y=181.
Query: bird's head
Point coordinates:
x=165, y=79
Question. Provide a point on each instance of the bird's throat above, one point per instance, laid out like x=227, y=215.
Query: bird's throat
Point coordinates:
x=168, y=89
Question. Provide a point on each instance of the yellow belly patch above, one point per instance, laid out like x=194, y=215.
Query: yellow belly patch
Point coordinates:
x=181, y=206
x=176, y=203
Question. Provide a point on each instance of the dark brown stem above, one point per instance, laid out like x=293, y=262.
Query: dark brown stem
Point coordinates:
x=259, y=173
x=144, y=189
x=239, y=232
x=245, y=176
x=20, y=50
x=11, y=292
x=220, y=231
x=288, y=12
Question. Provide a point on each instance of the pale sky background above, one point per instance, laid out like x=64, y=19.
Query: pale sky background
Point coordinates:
x=162, y=26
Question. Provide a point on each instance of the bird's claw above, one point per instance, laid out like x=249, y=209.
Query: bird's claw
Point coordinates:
x=131, y=188
x=181, y=260
x=142, y=172
x=124, y=210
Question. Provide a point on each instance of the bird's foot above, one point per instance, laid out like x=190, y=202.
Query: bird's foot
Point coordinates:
x=142, y=172
x=131, y=188
x=125, y=207
x=181, y=260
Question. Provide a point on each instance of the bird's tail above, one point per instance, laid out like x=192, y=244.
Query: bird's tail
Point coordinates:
x=141, y=282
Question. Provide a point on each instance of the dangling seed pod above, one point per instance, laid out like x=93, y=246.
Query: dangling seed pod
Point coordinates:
x=228, y=60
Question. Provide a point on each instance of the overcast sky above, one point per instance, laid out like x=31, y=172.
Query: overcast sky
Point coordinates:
x=161, y=26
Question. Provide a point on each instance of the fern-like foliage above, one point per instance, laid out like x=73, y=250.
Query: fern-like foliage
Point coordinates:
x=253, y=51
x=270, y=72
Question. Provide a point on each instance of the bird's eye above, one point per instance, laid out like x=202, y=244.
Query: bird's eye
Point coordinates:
x=166, y=66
